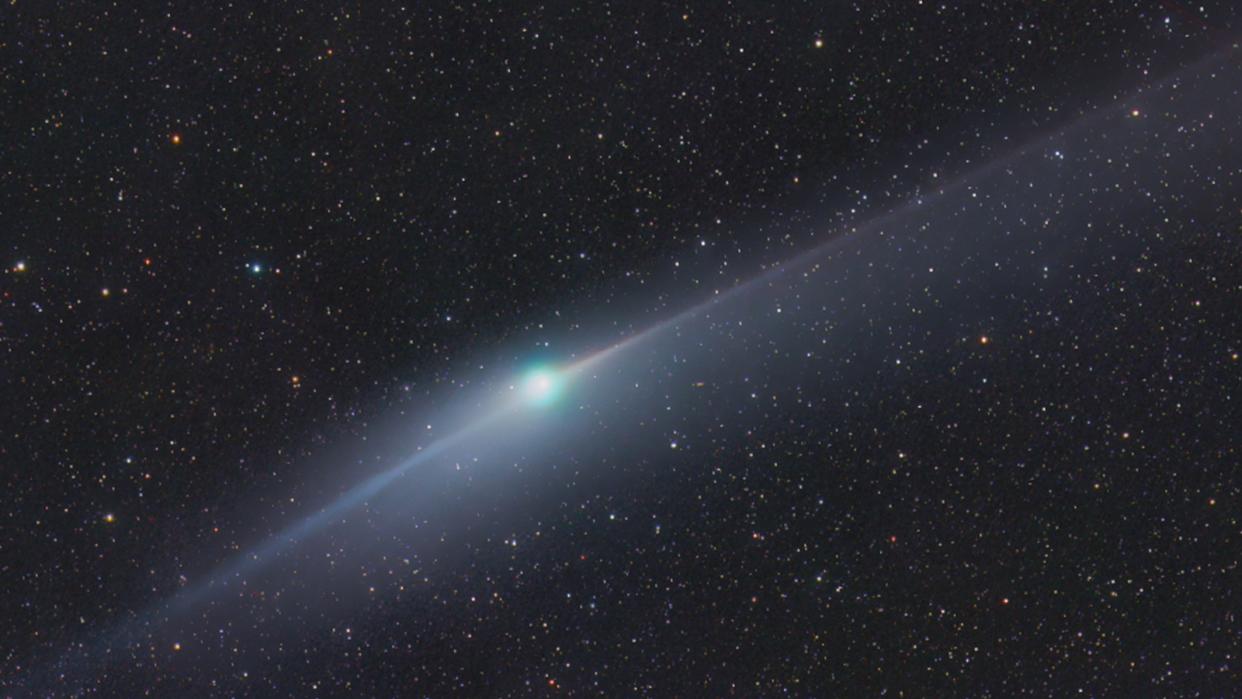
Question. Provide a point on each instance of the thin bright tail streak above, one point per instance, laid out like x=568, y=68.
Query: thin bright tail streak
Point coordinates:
x=72, y=665
x=908, y=206
x=347, y=501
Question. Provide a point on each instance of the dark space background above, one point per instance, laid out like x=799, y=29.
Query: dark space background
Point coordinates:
x=988, y=448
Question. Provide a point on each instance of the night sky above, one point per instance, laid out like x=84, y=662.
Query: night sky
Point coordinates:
x=621, y=349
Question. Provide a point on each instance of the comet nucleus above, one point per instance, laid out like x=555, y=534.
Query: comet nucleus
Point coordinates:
x=542, y=386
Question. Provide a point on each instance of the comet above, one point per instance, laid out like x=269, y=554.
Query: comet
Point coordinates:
x=538, y=388
x=542, y=386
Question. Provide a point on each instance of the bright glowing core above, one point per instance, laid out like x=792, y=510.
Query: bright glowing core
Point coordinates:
x=541, y=386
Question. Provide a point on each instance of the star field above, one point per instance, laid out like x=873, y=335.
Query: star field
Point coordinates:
x=925, y=370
